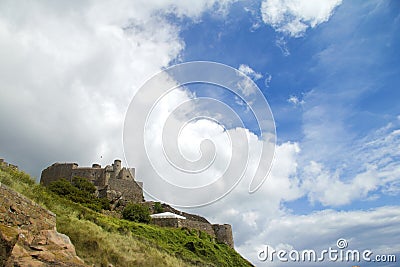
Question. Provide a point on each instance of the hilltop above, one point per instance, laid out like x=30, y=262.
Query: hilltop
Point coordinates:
x=101, y=240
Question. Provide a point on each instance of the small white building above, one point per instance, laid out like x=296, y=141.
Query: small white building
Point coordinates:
x=167, y=215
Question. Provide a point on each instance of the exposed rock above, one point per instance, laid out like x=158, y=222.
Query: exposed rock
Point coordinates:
x=28, y=235
x=8, y=238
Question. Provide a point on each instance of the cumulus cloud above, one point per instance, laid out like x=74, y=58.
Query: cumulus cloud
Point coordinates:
x=70, y=70
x=294, y=17
x=188, y=140
x=249, y=213
x=367, y=165
x=263, y=219
x=320, y=230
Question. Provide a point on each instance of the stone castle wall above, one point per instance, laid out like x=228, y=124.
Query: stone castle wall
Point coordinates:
x=117, y=184
x=128, y=188
x=221, y=233
x=205, y=227
x=177, y=223
x=167, y=222
x=112, y=182
x=56, y=172
x=94, y=175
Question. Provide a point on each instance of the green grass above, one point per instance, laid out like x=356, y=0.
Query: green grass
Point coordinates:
x=101, y=239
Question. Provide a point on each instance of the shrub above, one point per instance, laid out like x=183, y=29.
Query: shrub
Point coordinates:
x=62, y=187
x=84, y=185
x=79, y=191
x=136, y=213
x=158, y=207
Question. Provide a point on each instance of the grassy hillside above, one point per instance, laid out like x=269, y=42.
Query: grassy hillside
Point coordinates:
x=100, y=239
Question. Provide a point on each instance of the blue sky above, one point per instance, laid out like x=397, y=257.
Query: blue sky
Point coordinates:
x=328, y=69
x=347, y=68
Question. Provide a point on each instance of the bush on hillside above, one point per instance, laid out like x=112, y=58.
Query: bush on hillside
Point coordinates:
x=84, y=185
x=136, y=213
x=158, y=207
x=79, y=191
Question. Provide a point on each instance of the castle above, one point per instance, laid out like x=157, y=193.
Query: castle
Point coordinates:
x=112, y=182
x=119, y=186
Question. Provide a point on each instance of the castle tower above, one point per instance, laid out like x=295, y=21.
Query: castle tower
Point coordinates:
x=223, y=234
x=117, y=167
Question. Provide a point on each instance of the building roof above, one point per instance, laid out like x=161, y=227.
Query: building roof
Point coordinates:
x=167, y=215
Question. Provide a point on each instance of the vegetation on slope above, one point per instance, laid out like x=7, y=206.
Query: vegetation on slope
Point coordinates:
x=101, y=239
x=79, y=191
x=136, y=213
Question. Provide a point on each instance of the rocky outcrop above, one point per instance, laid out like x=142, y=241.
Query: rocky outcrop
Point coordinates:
x=28, y=235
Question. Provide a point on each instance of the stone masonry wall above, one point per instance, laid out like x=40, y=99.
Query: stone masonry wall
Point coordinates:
x=166, y=222
x=205, y=227
x=56, y=172
x=111, y=181
x=129, y=189
x=222, y=233
x=94, y=175
x=176, y=223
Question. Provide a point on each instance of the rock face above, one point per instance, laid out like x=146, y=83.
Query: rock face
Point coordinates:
x=28, y=235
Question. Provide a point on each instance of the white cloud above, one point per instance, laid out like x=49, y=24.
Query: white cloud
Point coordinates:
x=281, y=43
x=269, y=222
x=250, y=218
x=295, y=100
x=328, y=188
x=69, y=71
x=249, y=213
x=366, y=166
x=263, y=219
x=364, y=229
x=268, y=78
x=294, y=17
x=246, y=85
x=250, y=72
